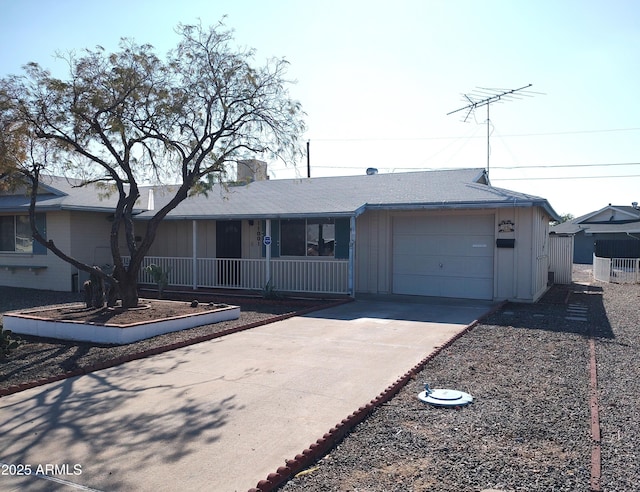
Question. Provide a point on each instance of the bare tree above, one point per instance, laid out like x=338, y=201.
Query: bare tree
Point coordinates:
x=129, y=118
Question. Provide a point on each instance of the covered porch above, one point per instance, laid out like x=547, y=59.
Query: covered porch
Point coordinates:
x=302, y=255
x=286, y=275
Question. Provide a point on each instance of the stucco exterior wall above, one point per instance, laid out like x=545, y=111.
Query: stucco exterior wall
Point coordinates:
x=90, y=242
x=90, y=233
x=56, y=275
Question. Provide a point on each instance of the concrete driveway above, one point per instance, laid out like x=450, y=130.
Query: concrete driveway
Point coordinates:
x=223, y=414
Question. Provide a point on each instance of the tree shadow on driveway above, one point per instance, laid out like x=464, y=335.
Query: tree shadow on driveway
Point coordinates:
x=114, y=423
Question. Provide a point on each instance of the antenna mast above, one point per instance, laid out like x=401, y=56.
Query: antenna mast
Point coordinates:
x=490, y=96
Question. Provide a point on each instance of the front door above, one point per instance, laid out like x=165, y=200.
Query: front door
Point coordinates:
x=228, y=249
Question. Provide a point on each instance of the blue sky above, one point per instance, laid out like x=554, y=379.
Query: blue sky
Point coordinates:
x=377, y=80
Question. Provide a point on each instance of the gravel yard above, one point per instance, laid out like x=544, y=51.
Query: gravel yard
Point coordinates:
x=527, y=367
x=619, y=386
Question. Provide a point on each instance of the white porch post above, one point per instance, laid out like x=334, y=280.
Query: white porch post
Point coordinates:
x=351, y=269
x=194, y=266
x=267, y=253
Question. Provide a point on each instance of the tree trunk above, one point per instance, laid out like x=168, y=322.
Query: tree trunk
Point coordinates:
x=128, y=284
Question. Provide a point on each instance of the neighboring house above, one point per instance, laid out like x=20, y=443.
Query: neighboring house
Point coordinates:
x=442, y=233
x=613, y=222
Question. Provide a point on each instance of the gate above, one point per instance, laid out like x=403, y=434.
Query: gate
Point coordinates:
x=561, y=258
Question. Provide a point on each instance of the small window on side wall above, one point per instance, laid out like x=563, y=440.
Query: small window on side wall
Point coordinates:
x=15, y=234
x=16, y=237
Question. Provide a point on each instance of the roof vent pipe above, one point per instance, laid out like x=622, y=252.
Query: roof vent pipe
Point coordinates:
x=150, y=200
x=371, y=171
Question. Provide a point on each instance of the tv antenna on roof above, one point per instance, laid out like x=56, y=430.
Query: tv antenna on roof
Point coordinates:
x=483, y=96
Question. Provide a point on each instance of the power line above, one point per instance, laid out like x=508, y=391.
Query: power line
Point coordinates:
x=540, y=166
x=556, y=166
x=573, y=132
x=567, y=177
x=410, y=139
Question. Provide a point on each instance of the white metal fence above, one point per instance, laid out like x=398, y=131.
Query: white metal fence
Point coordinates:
x=561, y=258
x=287, y=275
x=617, y=270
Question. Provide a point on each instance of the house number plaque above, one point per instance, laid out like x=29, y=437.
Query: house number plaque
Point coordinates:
x=506, y=226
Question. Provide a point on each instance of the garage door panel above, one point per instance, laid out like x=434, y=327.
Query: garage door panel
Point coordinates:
x=409, y=225
x=417, y=244
x=465, y=246
x=467, y=268
x=445, y=266
x=476, y=288
x=448, y=256
x=459, y=225
x=444, y=244
x=440, y=286
x=415, y=285
x=416, y=264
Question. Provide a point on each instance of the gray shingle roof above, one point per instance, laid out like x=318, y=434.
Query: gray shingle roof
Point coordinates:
x=597, y=228
x=585, y=222
x=59, y=193
x=348, y=195
x=630, y=227
x=568, y=227
x=289, y=198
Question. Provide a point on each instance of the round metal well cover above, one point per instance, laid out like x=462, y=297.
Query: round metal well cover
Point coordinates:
x=445, y=397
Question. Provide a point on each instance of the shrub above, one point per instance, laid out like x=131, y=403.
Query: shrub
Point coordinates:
x=7, y=342
x=159, y=276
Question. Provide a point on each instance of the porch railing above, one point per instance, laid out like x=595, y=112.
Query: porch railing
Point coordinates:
x=287, y=275
x=618, y=270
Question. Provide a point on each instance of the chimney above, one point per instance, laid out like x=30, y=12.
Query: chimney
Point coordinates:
x=251, y=170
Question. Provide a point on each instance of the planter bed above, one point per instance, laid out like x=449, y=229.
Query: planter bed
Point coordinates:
x=73, y=322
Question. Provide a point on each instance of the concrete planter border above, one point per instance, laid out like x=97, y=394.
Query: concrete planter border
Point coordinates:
x=27, y=322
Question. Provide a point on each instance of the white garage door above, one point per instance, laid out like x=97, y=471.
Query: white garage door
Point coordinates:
x=444, y=256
